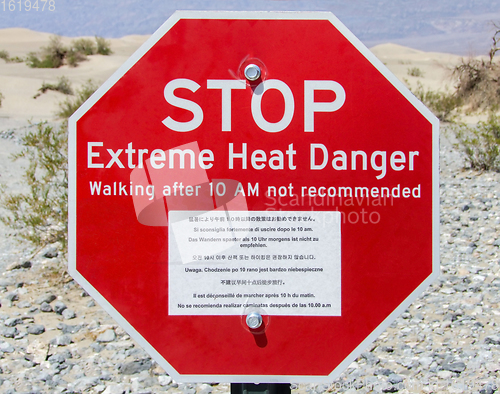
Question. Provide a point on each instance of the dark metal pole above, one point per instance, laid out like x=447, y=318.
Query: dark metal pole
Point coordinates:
x=262, y=388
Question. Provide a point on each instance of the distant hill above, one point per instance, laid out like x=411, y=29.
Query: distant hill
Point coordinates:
x=456, y=26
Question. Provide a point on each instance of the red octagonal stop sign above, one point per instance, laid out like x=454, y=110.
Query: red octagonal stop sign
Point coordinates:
x=253, y=197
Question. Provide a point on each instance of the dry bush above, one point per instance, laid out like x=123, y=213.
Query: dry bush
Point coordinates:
x=481, y=144
x=478, y=83
x=63, y=86
x=103, y=46
x=56, y=54
x=41, y=214
x=479, y=80
x=85, y=46
x=442, y=104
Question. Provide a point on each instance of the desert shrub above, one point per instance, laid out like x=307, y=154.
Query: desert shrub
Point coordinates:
x=481, y=143
x=85, y=46
x=63, y=85
x=51, y=56
x=16, y=59
x=41, y=214
x=56, y=54
x=1, y=98
x=479, y=80
x=442, y=104
x=103, y=46
x=4, y=55
x=69, y=106
x=33, y=61
x=74, y=57
x=478, y=83
x=415, y=72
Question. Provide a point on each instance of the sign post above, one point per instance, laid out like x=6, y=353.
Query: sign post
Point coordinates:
x=254, y=188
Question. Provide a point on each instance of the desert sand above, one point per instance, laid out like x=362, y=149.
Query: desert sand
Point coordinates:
x=19, y=83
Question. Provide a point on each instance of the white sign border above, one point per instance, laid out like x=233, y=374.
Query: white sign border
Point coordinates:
x=264, y=15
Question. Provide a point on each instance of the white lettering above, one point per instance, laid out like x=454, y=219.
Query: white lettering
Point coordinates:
x=257, y=105
x=226, y=86
x=178, y=102
x=91, y=154
x=315, y=166
x=310, y=106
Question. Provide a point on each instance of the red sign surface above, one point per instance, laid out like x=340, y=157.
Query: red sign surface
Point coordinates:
x=178, y=141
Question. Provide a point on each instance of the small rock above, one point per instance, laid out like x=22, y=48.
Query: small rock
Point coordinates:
x=84, y=384
x=383, y=371
x=164, y=380
x=47, y=298
x=205, y=389
x=370, y=358
x=492, y=340
x=12, y=297
x=134, y=367
x=36, y=329
x=46, y=307
x=394, y=379
x=106, y=376
x=187, y=388
x=455, y=367
x=120, y=345
x=444, y=374
x=59, y=307
x=17, y=266
x=99, y=388
x=4, y=282
x=6, y=347
x=490, y=388
x=23, y=304
x=106, y=336
x=51, y=252
x=68, y=329
x=492, y=367
x=57, y=358
x=8, y=332
x=62, y=340
x=43, y=377
x=115, y=389
x=425, y=361
x=68, y=314
x=13, y=321
x=39, y=350
x=96, y=347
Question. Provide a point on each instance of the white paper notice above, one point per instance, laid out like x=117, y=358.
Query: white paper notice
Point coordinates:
x=228, y=262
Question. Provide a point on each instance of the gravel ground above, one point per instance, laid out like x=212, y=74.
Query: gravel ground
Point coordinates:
x=54, y=339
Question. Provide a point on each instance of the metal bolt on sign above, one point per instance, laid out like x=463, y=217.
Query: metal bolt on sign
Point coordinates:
x=254, y=320
x=252, y=72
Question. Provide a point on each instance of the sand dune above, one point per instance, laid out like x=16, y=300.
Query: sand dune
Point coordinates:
x=19, y=83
